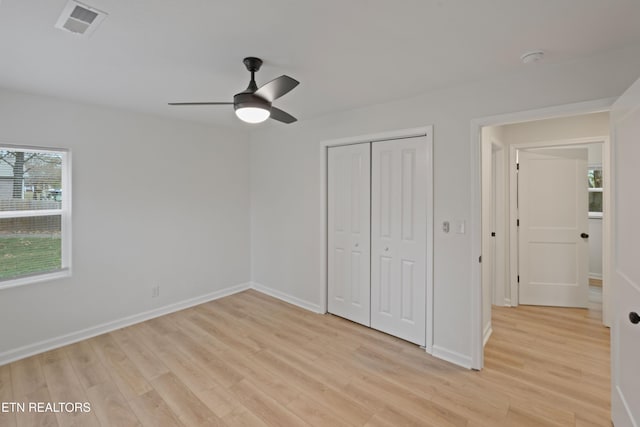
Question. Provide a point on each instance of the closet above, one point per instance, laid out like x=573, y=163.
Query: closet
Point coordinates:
x=377, y=235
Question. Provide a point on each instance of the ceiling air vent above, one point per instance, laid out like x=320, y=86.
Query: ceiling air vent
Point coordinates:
x=80, y=19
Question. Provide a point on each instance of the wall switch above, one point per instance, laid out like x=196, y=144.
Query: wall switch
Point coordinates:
x=460, y=226
x=155, y=291
x=445, y=226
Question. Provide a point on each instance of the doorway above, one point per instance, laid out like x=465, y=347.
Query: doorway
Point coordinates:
x=500, y=147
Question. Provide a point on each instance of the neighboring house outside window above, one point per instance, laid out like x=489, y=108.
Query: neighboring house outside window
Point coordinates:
x=35, y=215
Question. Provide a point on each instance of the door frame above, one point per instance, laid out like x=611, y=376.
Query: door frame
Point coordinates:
x=513, y=245
x=476, y=125
x=498, y=209
x=370, y=138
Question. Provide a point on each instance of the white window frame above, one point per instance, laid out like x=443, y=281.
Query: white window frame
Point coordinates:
x=65, y=219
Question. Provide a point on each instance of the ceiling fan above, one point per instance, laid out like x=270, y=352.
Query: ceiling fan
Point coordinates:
x=253, y=105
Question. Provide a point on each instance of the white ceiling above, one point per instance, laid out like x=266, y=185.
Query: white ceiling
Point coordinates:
x=345, y=53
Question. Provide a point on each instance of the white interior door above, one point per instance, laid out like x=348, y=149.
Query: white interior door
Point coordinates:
x=398, y=237
x=349, y=208
x=625, y=328
x=553, y=213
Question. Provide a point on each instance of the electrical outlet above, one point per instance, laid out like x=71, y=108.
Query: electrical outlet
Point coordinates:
x=155, y=291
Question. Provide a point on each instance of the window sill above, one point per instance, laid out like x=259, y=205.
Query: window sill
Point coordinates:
x=27, y=280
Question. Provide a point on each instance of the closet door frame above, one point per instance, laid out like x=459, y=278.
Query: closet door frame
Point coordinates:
x=426, y=131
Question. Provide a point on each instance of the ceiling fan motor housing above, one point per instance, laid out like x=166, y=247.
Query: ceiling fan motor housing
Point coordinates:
x=249, y=100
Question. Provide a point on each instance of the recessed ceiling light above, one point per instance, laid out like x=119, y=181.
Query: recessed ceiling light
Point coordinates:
x=531, y=57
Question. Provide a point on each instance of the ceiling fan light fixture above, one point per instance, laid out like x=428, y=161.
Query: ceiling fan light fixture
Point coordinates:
x=254, y=104
x=253, y=114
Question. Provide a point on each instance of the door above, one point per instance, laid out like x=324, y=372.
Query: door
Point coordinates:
x=553, y=214
x=398, y=237
x=349, y=228
x=625, y=328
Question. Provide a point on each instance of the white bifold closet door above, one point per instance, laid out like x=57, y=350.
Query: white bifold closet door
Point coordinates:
x=399, y=237
x=349, y=211
x=377, y=235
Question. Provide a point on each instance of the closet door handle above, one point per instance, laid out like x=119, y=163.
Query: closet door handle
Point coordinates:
x=584, y=235
x=634, y=318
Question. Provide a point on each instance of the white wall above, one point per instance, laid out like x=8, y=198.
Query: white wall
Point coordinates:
x=155, y=202
x=582, y=126
x=595, y=248
x=285, y=173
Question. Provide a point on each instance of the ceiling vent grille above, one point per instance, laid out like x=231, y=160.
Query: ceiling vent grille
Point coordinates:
x=80, y=19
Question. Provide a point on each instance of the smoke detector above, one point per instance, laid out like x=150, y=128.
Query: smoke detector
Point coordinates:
x=80, y=19
x=531, y=57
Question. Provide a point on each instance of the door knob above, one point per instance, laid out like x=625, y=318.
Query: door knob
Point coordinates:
x=386, y=249
x=356, y=245
x=634, y=318
x=584, y=235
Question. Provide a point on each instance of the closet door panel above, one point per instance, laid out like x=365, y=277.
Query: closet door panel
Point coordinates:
x=399, y=237
x=349, y=225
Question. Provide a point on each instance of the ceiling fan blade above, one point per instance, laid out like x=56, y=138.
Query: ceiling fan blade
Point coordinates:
x=201, y=103
x=276, y=88
x=281, y=116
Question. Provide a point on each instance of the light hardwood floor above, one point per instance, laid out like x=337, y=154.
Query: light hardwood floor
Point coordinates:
x=251, y=360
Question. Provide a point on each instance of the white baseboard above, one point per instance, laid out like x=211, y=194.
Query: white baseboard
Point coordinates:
x=60, y=341
x=595, y=276
x=488, y=330
x=286, y=297
x=595, y=294
x=452, y=356
x=507, y=302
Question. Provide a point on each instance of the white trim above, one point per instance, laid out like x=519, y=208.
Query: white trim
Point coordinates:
x=452, y=356
x=382, y=136
x=595, y=294
x=66, y=222
x=556, y=111
x=488, y=330
x=429, y=297
x=499, y=208
x=27, y=148
x=73, y=337
x=476, y=125
x=620, y=406
x=287, y=298
x=35, y=278
x=595, y=276
x=30, y=213
x=512, y=247
x=476, y=360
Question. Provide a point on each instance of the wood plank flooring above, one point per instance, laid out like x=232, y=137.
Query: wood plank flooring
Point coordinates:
x=251, y=360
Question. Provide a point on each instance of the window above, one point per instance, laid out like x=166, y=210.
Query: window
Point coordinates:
x=35, y=214
x=595, y=191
